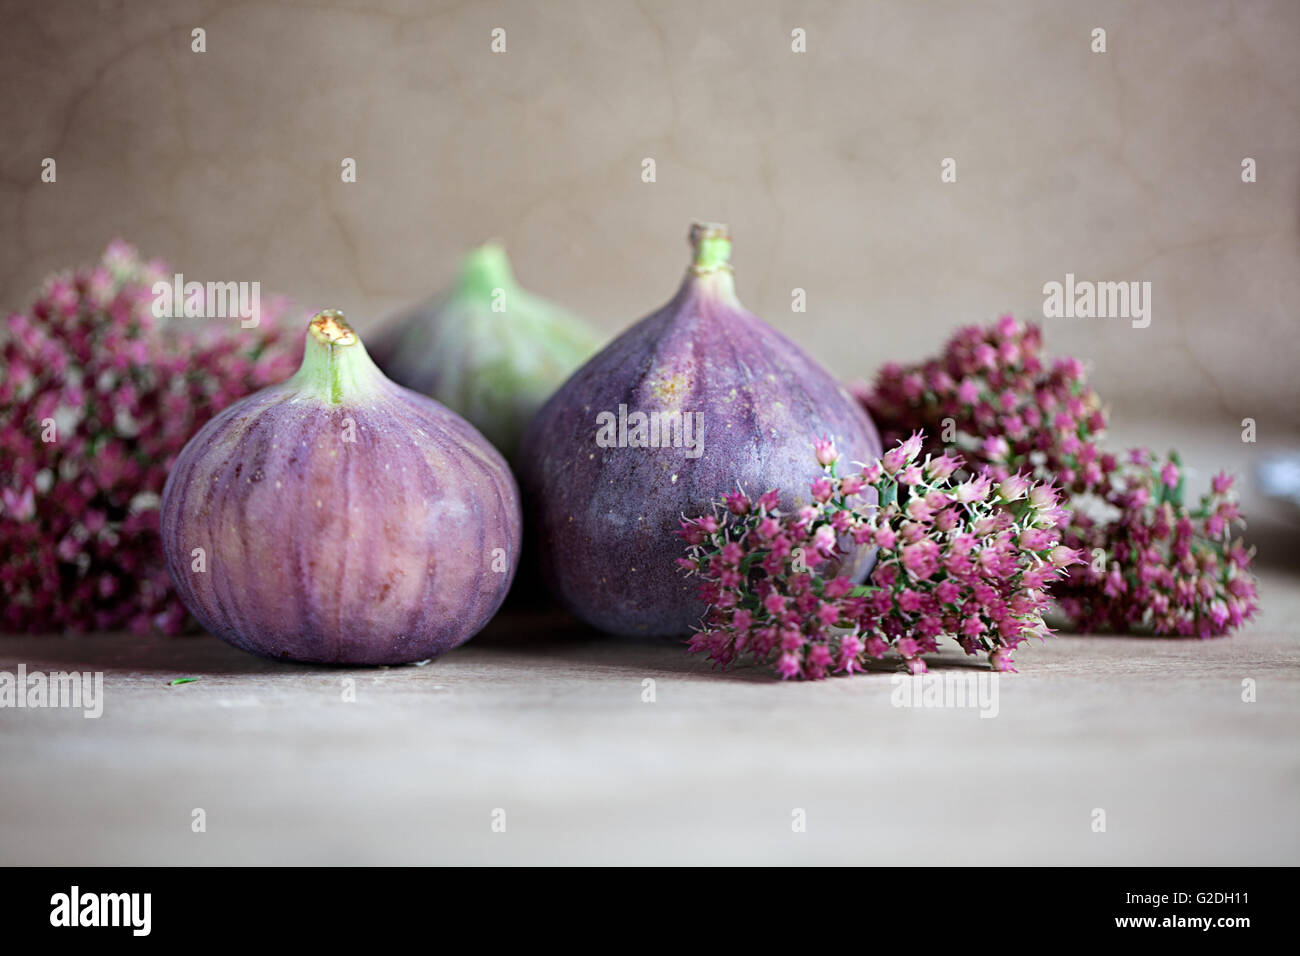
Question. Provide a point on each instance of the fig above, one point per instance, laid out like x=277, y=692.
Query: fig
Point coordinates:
x=340, y=518
x=489, y=350
x=685, y=405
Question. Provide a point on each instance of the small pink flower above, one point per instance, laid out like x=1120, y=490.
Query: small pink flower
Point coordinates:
x=823, y=541
x=818, y=662
x=1014, y=487
x=19, y=507
x=921, y=559
x=884, y=575
x=822, y=490
x=892, y=460
x=876, y=646
x=825, y=452
x=1061, y=556
x=851, y=647
x=837, y=587
x=973, y=490
x=1043, y=497
x=947, y=592
x=732, y=553
x=787, y=665
x=1000, y=660
x=918, y=509
x=995, y=448
x=851, y=485
x=909, y=600
x=911, y=475
x=1036, y=539
x=827, y=614
x=947, y=519
x=940, y=468
x=737, y=503
x=912, y=446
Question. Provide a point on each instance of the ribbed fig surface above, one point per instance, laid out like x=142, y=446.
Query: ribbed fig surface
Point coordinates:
x=488, y=350
x=604, y=515
x=341, y=518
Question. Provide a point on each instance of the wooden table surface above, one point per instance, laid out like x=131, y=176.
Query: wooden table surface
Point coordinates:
x=546, y=721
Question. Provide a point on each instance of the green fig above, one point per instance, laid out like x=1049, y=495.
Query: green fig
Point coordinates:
x=488, y=350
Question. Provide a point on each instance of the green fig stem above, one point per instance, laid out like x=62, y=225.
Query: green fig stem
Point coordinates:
x=712, y=244
x=335, y=364
x=485, y=270
x=711, y=269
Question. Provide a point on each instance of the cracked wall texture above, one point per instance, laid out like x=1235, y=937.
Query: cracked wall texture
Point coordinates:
x=1115, y=166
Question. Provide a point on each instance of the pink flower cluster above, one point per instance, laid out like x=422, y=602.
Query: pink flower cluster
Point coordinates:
x=971, y=559
x=1157, y=565
x=1160, y=566
x=991, y=395
x=97, y=399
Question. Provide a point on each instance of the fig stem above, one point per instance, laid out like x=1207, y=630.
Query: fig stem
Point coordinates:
x=334, y=362
x=485, y=270
x=331, y=328
x=712, y=244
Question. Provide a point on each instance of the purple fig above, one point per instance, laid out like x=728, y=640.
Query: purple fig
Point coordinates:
x=340, y=518
x=679, y=409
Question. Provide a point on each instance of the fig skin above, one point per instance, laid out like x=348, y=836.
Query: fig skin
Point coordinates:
x=603, y=519
x=319, y=549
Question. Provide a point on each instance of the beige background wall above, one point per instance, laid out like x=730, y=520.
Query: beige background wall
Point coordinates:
x=1118, y=166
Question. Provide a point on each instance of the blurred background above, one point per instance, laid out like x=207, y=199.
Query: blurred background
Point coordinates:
x=1115, y=166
